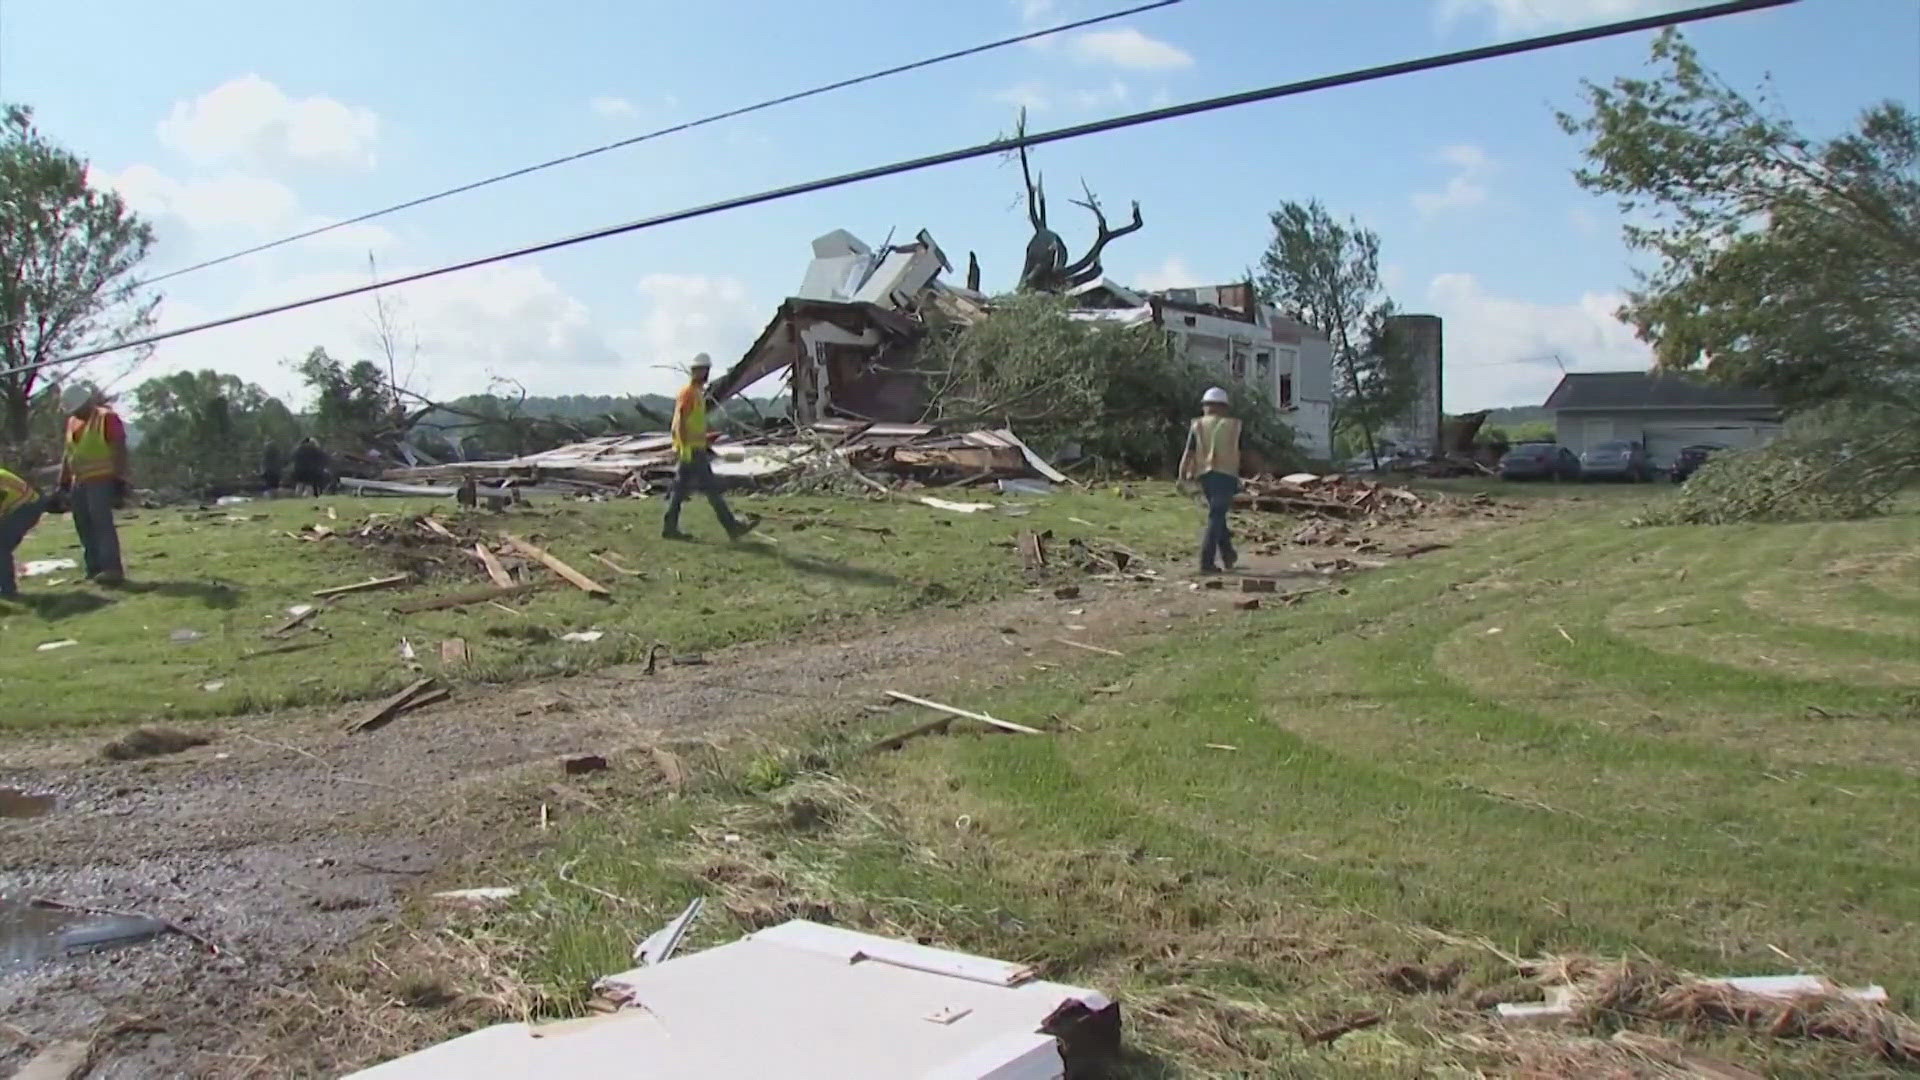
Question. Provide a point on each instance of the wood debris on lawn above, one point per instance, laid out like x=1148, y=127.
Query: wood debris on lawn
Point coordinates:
x=490, y=894
x=420, y=693
x=453, y=652
x=608, y=562
x=552, y=562
x=364, y=586
x=62, y=1060
x=1004, y=725
x=581, y=764
x=412, y=607
x=296, y=615
x=1089, y=648
x=491, y=563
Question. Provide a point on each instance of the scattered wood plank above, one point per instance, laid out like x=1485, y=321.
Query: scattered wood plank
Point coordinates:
x=1033, y=548
x=1004, y=725
x=496, y=572
x=453, y=651
x=576, y=578
x=294, y=621
x=1347, y=1025
x=436, y=528
x=608, y=562
x=291, y=647
x=390, y=708
x=899, y=739
x=414, y=607
x=1089, y=648
x=364, y=586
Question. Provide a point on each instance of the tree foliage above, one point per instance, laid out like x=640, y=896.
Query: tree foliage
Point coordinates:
x=353, y=406
x=202, y=428
x=1784, y=261
x=1116, y=391
x=68, y=253
x=1836, y=461
x=1326, y=273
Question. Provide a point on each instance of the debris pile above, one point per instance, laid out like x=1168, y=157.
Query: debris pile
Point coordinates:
x=1333, y=496
x=828, y=455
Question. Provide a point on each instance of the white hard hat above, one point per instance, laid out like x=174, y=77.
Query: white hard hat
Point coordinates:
x=1214, y=396
x=75, y=395
x=702, y=360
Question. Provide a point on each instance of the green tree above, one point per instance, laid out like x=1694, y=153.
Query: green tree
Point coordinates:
x=67, y=258
x=1326, y=274
x=353, y=407
x=204, y=427
x=1784, y=261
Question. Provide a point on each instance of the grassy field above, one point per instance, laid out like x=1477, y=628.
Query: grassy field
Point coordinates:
x=1696, y=746
x=221, y=579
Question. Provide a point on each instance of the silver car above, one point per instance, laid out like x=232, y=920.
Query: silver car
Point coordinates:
x=1617, y=460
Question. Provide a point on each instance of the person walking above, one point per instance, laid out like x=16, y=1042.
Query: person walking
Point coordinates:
x=94, y=476
x=20, y=510
x=1212, y=457
x=694, y=447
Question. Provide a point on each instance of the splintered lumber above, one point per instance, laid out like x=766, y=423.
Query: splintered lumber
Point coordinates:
x=414, y=607
x=495, y=571
x=365, y=586
x=576, y=578
x=436, y=528
x=1089, y=648
x=287, y=627
x=1004, y=725
x=899, y=739
x=614, y=566
x=391, y=707
x=62, y=1060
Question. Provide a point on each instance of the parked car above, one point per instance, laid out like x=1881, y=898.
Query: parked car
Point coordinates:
x=1691, y=458
x=1539, y=461
x=1617, y=460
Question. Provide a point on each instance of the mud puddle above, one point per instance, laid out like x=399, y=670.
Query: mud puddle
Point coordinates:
x=31, y=934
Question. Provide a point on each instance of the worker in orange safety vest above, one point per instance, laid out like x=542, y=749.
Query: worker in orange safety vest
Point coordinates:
x=94, y=476
x=693, y=448
x=1212, y=457
x=20, y=510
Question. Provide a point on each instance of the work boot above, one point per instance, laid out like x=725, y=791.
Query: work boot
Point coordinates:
x=742, y=528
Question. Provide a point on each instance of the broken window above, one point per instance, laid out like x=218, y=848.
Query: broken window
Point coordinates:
x=1239, y=365
x=1263, y=368
x=1285, y=395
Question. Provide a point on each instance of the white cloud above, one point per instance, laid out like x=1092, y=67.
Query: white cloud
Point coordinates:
x=249, y=120
x=1503, y=351
x=1029, y=96
x=1171, y=274
x=1112, y=95
x=358, y=238
x=1034, y=12
x=1128, y=48
x=692, y=313
x=225, y=202
x=611, y=107
x=1466, y=187
x=1519, y=18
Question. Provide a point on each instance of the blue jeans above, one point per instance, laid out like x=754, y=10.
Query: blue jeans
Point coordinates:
x=693, y=475
x=1216, y=543
x=14, y=528
x=93, y=519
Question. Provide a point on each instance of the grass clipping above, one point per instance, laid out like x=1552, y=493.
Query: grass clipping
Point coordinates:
x=1614, y=995
x=1836, y=463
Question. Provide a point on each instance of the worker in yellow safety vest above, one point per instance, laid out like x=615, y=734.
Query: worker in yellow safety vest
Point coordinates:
x=693, y=446
x=20, y=510
x=1212, y=457
x=94, y=476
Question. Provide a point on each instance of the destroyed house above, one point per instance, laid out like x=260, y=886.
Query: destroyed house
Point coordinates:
x=849, y=337
x=1227, y=329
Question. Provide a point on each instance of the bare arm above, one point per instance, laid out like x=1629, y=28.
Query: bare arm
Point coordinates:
x=1186, y=457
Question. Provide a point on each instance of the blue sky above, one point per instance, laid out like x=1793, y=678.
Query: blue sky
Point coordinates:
x=231, y=125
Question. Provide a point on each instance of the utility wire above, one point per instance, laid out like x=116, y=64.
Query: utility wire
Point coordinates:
x=997, y=146
x=931, y=61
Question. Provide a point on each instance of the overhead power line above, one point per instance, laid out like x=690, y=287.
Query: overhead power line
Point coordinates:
x=689, y=125
x=997, y=146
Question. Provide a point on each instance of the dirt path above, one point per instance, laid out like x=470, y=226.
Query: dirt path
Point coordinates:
x=285, y=838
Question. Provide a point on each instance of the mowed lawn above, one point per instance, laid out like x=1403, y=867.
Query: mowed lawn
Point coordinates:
x=187, y=638
x=1700, y=746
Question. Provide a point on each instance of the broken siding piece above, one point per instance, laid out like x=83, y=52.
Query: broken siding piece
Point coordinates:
x=552, y=562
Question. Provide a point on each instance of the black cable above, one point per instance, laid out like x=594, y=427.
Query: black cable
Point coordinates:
x=675, y=129
x=998, y=146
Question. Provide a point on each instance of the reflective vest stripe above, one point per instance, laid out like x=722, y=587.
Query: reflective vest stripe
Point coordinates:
x=692, y=428
x=89, y=455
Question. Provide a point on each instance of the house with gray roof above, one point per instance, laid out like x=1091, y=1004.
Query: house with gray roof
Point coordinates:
x=1663, y=411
